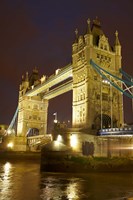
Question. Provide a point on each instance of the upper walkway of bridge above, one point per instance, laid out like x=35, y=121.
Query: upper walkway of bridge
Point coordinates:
x=62, y=75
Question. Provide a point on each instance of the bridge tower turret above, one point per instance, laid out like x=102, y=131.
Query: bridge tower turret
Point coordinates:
x=96, y=104
x=117, y=49
x=118, y=65
x=32, y=110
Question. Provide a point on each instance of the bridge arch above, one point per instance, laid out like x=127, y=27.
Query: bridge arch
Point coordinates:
x=32, y=132
x=106, y=122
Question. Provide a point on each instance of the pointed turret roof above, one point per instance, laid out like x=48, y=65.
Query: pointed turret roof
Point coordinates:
x=34, y=76
x=22, y=78
x=117, y=42
x=88, y=27
x=96, y=30
x=76, y=35
x=27, y=77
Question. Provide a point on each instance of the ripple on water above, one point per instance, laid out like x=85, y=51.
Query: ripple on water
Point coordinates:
x=24, y=181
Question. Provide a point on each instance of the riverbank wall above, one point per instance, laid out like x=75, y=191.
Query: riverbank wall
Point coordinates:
x=71, y=163
x=88, y=165
x=57, y=157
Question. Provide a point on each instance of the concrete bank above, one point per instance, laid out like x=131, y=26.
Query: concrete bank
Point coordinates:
x=71, y=164
x=57, y=157
x=87, y=165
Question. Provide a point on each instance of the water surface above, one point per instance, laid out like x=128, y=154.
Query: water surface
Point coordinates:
x=24, y=181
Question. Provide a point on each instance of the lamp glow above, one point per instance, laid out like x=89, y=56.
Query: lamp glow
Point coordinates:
x=55, y=121
x=9, y=131
x=59, y=138
x=10, y=145
x=73, y=141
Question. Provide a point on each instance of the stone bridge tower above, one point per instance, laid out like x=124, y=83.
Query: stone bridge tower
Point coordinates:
x=32, y=111
x=96, y=104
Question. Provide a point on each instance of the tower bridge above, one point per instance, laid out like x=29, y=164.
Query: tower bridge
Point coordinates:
x=95, y=78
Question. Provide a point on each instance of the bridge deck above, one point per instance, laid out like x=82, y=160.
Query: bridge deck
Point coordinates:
x=53, y=80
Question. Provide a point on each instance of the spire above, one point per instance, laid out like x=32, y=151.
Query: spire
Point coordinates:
x=96, y=31
x=34, y=77
x=96, y=22
x=35, y=70
x=76, y=34
x=22, y=78
x=27, y=77
x=88, y=28
x=117, y=42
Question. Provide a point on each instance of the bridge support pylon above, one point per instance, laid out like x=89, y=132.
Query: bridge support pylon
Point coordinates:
x=32, y=111
x=96, y=104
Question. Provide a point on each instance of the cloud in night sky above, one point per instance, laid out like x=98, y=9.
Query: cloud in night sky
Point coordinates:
x=40, y=33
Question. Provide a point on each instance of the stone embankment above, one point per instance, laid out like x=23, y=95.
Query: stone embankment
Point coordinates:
x=57, y=157
x=86, y=165
x=71, y=163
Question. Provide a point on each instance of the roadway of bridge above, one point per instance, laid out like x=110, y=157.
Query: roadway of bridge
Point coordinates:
x=63, y=88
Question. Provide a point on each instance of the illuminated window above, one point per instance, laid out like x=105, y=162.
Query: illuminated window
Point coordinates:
x=35, y=117
x=35, y=106
x=98, y=56
x=105, y=47
x=83, y=117
x=104, y=96
x=98, y=96
x=101, y=46
x=95, y=77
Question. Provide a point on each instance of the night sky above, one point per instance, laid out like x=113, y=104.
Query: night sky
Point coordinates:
x=41, y=32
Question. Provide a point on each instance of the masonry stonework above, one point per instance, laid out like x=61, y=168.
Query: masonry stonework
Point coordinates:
x=96, y=104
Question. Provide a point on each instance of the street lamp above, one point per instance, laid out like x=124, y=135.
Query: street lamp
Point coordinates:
x=55, y=119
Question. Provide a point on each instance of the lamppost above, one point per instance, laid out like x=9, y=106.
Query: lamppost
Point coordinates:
x=55, y=119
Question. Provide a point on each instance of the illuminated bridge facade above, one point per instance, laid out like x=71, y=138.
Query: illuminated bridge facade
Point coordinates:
x=96, y=103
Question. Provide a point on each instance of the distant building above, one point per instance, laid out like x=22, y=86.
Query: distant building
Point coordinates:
x=3, y=128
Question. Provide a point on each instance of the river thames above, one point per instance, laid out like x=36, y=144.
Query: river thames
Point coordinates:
x=23, y=181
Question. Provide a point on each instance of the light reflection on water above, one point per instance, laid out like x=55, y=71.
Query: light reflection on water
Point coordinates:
x=5, y=181
x=24, y=181
x=61, y=187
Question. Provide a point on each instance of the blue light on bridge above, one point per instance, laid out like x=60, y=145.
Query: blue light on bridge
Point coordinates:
x=116, y=131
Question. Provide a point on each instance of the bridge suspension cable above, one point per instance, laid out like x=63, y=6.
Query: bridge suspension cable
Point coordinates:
x=10, y=127
x=127, y=76
x=124, y=86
